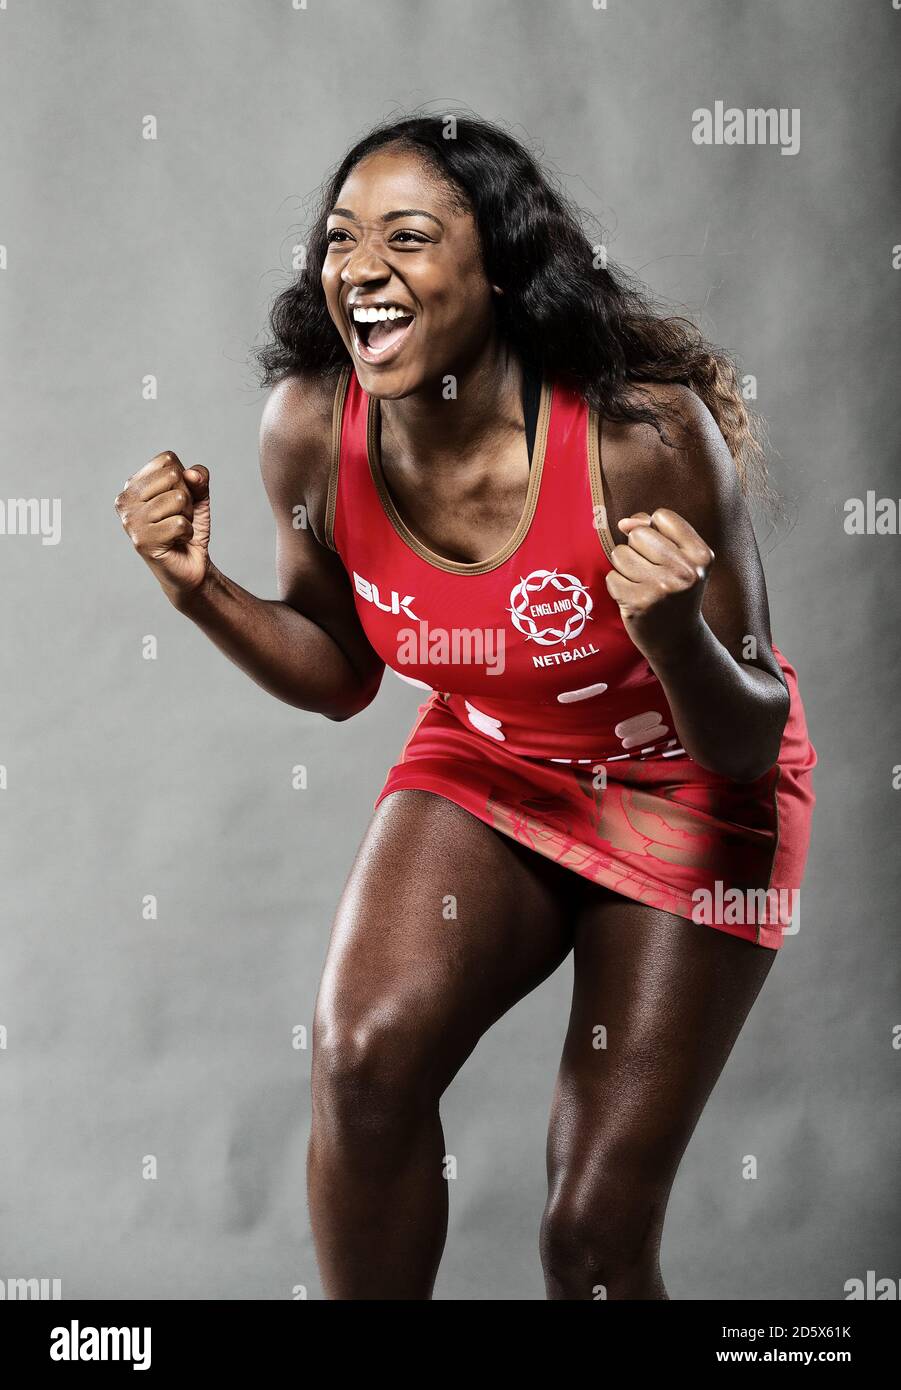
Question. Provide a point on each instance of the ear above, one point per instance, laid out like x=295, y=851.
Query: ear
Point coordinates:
x=497, y=289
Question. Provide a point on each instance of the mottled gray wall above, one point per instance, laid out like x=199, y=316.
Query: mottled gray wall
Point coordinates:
x=125, y=777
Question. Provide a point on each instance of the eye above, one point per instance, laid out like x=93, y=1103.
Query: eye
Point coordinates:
x=413, y=237
x=337, y=234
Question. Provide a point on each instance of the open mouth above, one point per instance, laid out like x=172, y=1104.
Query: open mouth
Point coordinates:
x=379, y=331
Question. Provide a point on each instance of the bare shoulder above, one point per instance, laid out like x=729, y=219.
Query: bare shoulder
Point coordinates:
x=689, y=431
x=687, y=467
x=296, y=444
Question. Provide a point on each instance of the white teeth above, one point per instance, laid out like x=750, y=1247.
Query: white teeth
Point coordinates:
x=373, y=315
x=363, y=313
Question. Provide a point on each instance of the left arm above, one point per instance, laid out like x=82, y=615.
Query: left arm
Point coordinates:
x=690, y=588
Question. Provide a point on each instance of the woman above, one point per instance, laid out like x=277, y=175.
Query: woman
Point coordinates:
x=494, y=468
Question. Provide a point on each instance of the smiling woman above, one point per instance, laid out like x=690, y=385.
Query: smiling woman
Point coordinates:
x=439, y=310
x=379, y=324
x=494, y=436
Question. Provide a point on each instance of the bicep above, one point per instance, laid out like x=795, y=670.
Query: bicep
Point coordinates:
x=736, y=606
x=294, y=460
x=696, y=477
x=312, y=580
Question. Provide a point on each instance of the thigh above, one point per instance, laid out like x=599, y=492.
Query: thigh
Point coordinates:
x=671, y=996
x=443, y=925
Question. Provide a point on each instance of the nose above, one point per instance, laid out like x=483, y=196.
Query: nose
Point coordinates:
x=364, y=267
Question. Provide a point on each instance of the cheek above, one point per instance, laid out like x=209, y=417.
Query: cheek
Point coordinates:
x=330, y=282
x=466, y=316
x=331, y=288
x=462, y=301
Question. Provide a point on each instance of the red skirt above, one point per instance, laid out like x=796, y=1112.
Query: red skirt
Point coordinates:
x=663, y=831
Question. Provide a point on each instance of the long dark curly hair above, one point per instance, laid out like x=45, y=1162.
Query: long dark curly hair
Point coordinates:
x=566, y=310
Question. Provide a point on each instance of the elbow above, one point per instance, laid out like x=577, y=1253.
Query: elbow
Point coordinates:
x=353, y=701
x=338, y=716
x=744, y=765
x=338, y=713
x=757, y=757
x=750, y=771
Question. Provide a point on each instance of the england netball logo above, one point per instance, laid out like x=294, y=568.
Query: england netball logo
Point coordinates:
x=548, y=594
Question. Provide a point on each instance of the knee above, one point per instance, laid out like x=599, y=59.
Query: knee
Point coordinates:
x=601, y=1238
x=367, y=1073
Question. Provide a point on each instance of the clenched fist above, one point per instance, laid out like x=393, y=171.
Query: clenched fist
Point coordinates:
x=165, y=509
x=659, y=580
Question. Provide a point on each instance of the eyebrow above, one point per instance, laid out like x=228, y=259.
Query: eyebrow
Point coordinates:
x=389, y=216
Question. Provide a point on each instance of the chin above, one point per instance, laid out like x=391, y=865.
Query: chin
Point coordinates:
x=390, y=383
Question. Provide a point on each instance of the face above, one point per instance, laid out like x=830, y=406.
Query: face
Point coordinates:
x=403, y=276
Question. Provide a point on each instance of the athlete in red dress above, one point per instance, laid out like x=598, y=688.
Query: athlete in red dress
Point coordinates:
x=494, y=469
x=541, y=695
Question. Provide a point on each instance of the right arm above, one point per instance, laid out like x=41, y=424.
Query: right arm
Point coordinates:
x=306, y=647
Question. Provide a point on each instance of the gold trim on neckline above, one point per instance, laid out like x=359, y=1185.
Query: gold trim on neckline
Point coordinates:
x=596, y=480
x=331, y=498
x=431, y=557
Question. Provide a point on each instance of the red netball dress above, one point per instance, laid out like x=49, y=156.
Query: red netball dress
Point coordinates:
x=544, y=720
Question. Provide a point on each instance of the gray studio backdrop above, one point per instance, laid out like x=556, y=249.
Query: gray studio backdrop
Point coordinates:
x=154, y=1094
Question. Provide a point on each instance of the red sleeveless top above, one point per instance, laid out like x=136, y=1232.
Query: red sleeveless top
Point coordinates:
x=527, y=647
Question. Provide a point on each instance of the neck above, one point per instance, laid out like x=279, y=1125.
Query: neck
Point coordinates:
x=430, y=430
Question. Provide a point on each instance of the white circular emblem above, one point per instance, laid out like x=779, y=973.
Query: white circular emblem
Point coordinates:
x=560, y=600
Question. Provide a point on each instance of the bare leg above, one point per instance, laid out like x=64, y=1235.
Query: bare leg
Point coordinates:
x=672, y=996
x=443, y=926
